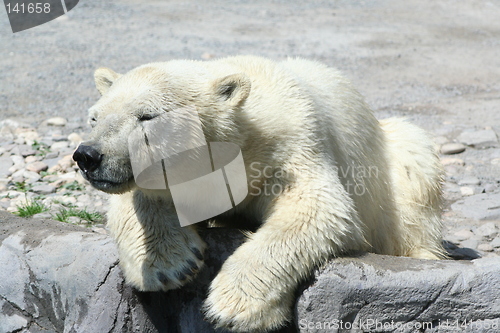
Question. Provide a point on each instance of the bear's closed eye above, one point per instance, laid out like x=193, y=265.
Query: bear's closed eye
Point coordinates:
x=147, y=116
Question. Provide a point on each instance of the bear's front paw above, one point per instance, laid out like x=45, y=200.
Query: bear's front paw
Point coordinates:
x=158, y=264
x=176, y=271
x=240, y=301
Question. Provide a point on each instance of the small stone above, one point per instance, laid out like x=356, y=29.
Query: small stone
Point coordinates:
x=30, y=137
x=44, y=215
x=451, y=170
x=3, y=184
x=66, y=162
x=207, y=56
x=440, y=140
x=469, y=181
x=31, y=177
x=484, y=206
x=75, y=139
x=485, y=247
x=18, y=160
x=59, y=145
x=5, y=164
x=44, y=189
x=463, y=234
x=452, y=148
x=488, y=230
x=74, y=220
x=470, y=243
x=18, y=173
x=495, y=242
x=57, y=137
x=452, y=161
x=31, y=159
x=28, y=152
x=57, y=121
x=488, y=188
x=466, y=191
x=479, y=139
x=100, y=230
x=52, y=155
x=37, y=167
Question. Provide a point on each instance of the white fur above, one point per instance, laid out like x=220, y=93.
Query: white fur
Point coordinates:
x=348, y=182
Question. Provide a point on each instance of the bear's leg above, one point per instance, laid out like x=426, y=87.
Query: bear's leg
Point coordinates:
x=305, y=225
x=417, y=176
x=155, y=252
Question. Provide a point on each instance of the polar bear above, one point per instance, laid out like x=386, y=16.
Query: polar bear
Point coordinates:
x=347, y=181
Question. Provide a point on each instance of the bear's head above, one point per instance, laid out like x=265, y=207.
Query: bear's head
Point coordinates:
x=147, y=92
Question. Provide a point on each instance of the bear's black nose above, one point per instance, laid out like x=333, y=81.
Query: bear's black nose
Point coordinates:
x=87, y=158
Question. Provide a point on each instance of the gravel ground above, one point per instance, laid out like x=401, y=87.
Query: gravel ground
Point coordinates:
x=434, y=62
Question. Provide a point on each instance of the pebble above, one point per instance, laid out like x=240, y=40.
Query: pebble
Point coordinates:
x=485, y=247
x=37, y=167
x=490, y=188
x=44, y=189
x=469, y=181
x=57, y=121
x=467, y=191
x=75, y=139
x=207, y=56
x=5, y=164
x=495, y=242
x=479, y=139
x=488, y=230
x=31, y=159
x=59, y=145
x=74, y=220
x=452, y=161
x=463, y=234
x=452, y=148
x=44, y=215
x=470, y=243
x=483, y=206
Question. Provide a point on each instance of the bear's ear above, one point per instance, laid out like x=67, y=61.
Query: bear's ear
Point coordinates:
x=104, y=78
x=232, y=89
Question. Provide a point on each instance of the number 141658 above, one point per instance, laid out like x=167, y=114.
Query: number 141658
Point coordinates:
x=30, y=8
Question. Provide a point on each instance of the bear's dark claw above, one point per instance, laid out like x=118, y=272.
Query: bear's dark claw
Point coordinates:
x=197, y=253
x=162, y=277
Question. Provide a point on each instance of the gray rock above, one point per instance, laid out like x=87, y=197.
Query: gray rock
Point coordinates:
x=5, y=164
x=463, y=234
x=485, y=247
x=488, y=230
x=51, y=156
x=469, y=181
x=452, y=148
x=484, y=206
x=37, y=167
x=44, y=189
x=495, y=242
x=488, y=188
x=470, y=243
x=18, y=149
x=45, y=215
x=369, y=290
x=57, y=121
x=479, y=139
x=59, y=145
x=31, y=176
x=467, y=191
x=58, y=277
